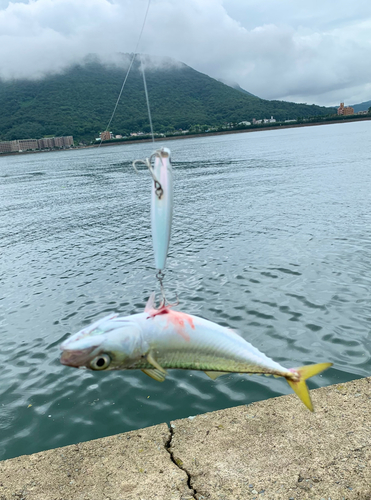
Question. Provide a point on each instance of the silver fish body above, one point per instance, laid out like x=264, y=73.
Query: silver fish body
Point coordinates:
x=161, y=339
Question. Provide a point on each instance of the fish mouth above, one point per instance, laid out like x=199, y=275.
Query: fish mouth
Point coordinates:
x=78, y=357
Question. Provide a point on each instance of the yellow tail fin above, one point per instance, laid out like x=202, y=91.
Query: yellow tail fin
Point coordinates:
x=300, y=387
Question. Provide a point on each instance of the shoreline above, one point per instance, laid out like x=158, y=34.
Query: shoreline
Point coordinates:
x=274, y=449
x=192, y=136
x=234, y=131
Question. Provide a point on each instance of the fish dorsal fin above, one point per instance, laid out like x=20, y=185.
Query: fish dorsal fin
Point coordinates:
x=151, y=303
x=151, y=360
x=215, y=375
x=155, y=374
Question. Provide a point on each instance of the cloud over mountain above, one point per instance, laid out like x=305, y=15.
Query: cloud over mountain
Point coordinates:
x=306, y=52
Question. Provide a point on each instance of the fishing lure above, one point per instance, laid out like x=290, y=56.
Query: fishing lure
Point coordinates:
x=160, y=339
x=161, y=203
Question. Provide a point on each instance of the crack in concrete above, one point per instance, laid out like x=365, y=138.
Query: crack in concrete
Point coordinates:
x=178, y=463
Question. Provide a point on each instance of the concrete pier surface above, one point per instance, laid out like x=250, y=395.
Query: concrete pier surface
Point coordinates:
x=274, y=449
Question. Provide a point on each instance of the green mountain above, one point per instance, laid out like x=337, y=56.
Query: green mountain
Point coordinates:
x=80, y=102
x=236, y=86
x=363, y=106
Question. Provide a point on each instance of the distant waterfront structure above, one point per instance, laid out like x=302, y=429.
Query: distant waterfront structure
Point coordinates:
x=46, y=143
x=63, y=142
x=264, y=120
x=269, y=120
x=28, y=144
x=345, y=110
x=106, y=136
x=21, y=145
x=9, y=147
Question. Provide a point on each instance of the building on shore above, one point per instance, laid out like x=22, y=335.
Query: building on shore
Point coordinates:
x=106, y=135
x=46, y=143
x=55, y=142
x=28, y=144
x=269, y=120
x=264, y=120
x=63, y=142
x=21, y=145
x=9, y=146
x=345, y=110
x=5, y=147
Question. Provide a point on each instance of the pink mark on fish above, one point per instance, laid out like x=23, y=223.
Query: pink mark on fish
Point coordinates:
x=176, y=319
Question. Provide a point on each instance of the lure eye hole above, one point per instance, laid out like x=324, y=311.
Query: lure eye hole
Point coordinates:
x=101, y=362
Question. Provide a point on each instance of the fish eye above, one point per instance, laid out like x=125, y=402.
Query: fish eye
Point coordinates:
x=101, y=362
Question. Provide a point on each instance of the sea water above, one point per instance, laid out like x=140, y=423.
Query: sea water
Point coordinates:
x=271, y=236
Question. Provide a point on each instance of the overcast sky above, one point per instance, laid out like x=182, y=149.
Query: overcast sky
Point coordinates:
x=313, y=51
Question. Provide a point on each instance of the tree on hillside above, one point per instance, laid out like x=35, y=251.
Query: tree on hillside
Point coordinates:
x=79, y=102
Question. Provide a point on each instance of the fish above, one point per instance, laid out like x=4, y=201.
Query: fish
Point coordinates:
x=162, y=338
x=162, y=206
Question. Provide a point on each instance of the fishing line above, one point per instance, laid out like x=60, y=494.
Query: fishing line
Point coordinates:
x=158, y=188
x=147, y=99
x=128, y=71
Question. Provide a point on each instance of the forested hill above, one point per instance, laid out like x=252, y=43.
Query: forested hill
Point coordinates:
x=80, y=101
x=363, y=106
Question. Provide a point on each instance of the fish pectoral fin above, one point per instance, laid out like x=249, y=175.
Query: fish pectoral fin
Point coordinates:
x=151, y=303
x=155, y=374
x=215, y=375
x=151, y=360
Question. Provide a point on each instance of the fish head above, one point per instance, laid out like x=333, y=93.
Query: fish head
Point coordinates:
x=109, y=344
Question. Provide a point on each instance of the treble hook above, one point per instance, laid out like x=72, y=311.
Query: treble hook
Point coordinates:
x=174, y=304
